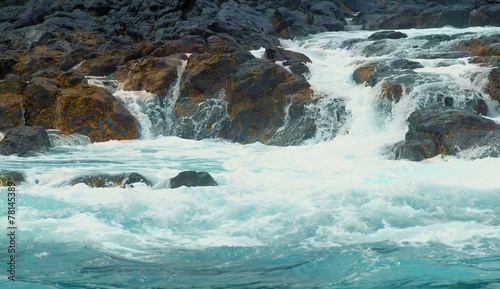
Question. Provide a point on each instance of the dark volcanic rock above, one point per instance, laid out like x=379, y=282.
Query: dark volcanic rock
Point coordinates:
x=448, y=132
x=6, y=65
x=258, y=93
x=425, y=14
x=91, y=111
x=387, y=35
x=109, y=181
x=24, y=141
x=192, y=179
x=485, y=13
x=7, y=177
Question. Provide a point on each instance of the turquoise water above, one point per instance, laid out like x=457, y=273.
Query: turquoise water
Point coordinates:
x=332, y=213
x=339, y=223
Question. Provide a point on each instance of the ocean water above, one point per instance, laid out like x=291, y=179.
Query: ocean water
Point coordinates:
x=335, y=212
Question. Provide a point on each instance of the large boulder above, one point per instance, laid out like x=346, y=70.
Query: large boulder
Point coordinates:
x=448, y=132
x=94, y=112
x=24, y=141
x=485, y=13
x=257, y=96
x=111, y=180
x=192, y=179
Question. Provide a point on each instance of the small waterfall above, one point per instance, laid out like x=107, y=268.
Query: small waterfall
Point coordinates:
x=140, y=104
x=173, y=94
x=377, y=112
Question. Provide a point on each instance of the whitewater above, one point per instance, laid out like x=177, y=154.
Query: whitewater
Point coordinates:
x=334, y=212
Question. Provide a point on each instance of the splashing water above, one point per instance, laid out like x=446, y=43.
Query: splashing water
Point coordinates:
x=330, y=214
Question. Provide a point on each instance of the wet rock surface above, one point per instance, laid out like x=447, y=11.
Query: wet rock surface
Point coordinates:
x=24, y=141
x=447, y=131
x=192, y=179
x=110, y=180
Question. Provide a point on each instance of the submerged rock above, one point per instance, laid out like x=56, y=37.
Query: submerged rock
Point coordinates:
x=192, y=179
x=7, y=177
x=24, y=141
x=109, y=181
x=448, y=132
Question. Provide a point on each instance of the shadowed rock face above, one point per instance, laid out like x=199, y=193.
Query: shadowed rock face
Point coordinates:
x=192, y=179
x=24, y=141
x=448, y=132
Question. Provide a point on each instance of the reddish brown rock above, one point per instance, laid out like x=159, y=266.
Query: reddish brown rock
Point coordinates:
x=94, y=112
x=223, y=43
x=152, y=74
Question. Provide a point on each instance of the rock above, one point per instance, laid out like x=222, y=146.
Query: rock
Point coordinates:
x=280, y=54
x=152, y=74
x=361, y=74
x=387, y=35
x=257, y=95
x=94, y=112
x=493, y=85
x=192, y=179
x=199, y=111
x=187, y=44
x=102, y=65
x=413, y=14
x=294, y=60
x=11, y=84
x=10, y=111
x=290, y=24
x=7, y=65
x=24, y=141
x=223, y=43
x=108, y=180
x=405, y=64
x=7, y=177
x=486, y=15
x=482, y=46
x=448, y=132
x=206, y=74
x=39, y=58
x=40, y=94
x=243, y=23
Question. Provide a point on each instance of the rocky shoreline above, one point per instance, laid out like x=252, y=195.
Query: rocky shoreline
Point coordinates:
x=48, y=47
